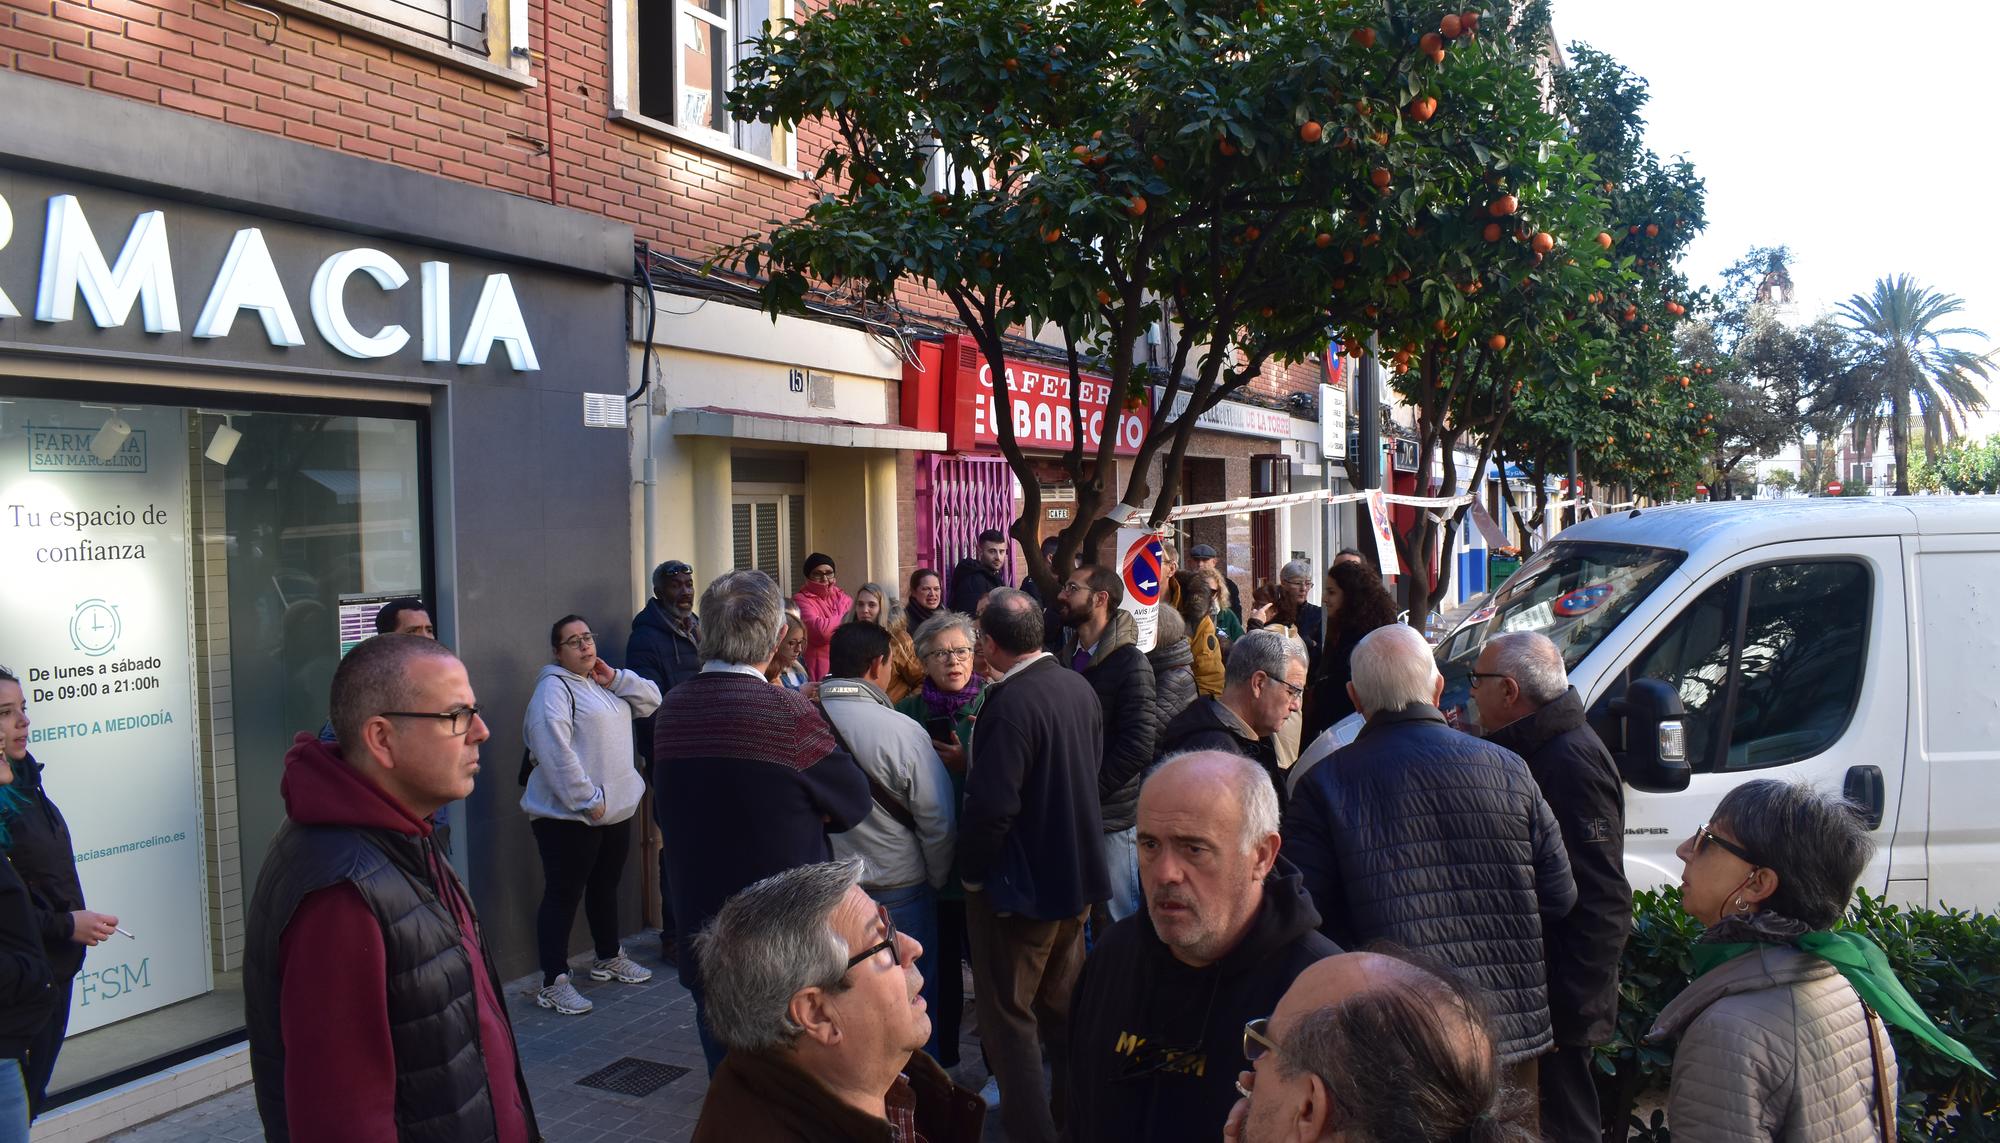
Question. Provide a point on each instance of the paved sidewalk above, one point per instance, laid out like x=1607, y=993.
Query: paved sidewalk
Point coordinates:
x=651, y=1022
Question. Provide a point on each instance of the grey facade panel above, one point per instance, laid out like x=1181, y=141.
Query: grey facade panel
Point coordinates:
x=59, y=127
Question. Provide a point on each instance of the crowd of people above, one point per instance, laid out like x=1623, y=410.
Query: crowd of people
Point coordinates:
x=1177, y=925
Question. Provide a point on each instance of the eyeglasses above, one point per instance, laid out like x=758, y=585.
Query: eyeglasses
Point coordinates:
x=579, y=642
x=1083, y=588
x=1257, y=1039
x=1296, y=692
x=1306, y=583
x=1703, y=835
x=888, y=942
x=460, y=717
x=821, y=576
x=948, y=654
x=1475, y=676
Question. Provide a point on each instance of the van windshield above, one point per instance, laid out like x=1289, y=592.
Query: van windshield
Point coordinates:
x=1574, y=592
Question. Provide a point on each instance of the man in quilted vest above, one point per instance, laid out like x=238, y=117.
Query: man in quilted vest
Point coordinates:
x=374, y=1010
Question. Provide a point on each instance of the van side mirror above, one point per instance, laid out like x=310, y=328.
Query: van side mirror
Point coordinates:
x=1653, y=756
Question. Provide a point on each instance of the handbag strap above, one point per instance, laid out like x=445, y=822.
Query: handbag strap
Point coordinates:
x=1885, y=1098
x=896, y=810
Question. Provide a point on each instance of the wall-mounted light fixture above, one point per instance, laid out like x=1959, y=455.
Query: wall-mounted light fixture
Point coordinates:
x=223, y=444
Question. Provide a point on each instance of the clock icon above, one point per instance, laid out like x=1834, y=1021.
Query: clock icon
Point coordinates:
x=94, y=628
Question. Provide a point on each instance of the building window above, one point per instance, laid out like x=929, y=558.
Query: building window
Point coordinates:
x=454, y=23
x=682, y=54
x=769, y=534
x=486, y=36
x=178, y=619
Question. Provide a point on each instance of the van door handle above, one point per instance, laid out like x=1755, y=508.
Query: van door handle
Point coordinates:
x=1865, y=789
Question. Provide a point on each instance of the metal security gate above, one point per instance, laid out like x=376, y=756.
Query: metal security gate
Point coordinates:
x=959, y=497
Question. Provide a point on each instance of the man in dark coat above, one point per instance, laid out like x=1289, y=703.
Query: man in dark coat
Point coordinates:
x=815, y=1058
x=1261, y=687
x=1526, y=704
x=1418, y=834
x=751, y=779
x=664, y=649
x=1102, y=644
x=974, y=577
x=1157, y=1028
x=1030, y=848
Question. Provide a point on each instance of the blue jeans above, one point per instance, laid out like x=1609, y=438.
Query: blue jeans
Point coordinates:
x=1121, y=861
x=914, y=909
x=13, y=1103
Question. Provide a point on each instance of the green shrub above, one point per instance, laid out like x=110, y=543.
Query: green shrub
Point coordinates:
x=1948, y=959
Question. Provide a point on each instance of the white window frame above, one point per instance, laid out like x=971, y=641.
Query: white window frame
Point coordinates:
x=507, y=58
x=625, y=91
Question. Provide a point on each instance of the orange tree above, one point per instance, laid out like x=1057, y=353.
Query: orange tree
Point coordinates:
x=1254, y=175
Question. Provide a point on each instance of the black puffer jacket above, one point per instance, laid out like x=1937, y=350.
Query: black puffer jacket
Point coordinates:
x=1173, y=669
x=1436, y=840
x=1156, y=1044
x=1581, y=784
x=1208, y=725
x=661, y=654
x=42, y=855
x=1123, y=679
x=970, y=581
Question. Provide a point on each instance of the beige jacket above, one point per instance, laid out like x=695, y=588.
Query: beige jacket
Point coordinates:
x=1774, y=1046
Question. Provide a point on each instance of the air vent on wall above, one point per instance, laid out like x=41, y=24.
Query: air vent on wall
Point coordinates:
x=819, y=390
x=604, y=410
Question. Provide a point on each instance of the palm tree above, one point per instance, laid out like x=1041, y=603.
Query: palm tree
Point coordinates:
x=1905, y=370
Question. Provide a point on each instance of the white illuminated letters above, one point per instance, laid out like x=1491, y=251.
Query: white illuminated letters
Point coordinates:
x=7, y=309
x=72, y=261
x=498, y=318
x=437, y=311
x=330, y=310
x=249, y=280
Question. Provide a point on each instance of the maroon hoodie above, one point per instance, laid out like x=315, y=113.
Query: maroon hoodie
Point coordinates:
x=340, y=1065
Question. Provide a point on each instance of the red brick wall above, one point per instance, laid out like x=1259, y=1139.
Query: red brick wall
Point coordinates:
x=320, y=84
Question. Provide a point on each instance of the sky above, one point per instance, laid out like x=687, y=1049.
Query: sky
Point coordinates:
x=1859, y=134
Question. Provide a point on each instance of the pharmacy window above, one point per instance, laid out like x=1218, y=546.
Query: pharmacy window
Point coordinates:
x=676, y=61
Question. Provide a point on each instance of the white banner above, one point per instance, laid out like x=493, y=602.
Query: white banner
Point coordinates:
x=1385, y=540
x=1140, y=560
x=94, y=616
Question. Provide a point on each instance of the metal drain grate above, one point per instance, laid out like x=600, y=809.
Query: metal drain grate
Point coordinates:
x=632, y=1076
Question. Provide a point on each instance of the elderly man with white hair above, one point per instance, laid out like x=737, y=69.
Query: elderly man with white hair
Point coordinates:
x=1525, y=703
x=819, y=1001
x=1433, y=839
x=1157, y=1018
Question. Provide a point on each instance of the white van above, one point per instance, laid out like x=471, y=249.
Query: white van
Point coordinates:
x=1851, y=643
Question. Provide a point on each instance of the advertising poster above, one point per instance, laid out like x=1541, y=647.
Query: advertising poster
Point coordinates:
x=95, y=619
x=1140, y=562
x=1385, y=540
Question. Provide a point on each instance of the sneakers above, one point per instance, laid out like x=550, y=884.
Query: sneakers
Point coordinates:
x=563, y=997
x=621, y=968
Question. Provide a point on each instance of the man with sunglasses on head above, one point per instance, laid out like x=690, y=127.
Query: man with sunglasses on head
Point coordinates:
x=1227, y=925
x=1521, y=688
x=341, y=1047
x=819, y=1001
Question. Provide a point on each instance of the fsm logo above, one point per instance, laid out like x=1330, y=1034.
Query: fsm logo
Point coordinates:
x=112, y=981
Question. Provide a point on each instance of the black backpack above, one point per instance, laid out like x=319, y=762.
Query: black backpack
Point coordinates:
x=528, y=762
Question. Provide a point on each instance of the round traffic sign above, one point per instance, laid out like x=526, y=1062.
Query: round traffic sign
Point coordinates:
x=1833, y=488
x=1143, y=561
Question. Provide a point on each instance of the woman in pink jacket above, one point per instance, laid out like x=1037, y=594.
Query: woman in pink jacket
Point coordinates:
x=822, y=605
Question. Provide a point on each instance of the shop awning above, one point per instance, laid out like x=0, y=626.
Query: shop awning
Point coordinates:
x=738, y=424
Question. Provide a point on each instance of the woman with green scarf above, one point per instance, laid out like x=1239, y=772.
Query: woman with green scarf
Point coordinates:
x=1781, y=1033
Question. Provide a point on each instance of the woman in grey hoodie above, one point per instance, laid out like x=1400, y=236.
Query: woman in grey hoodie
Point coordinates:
x=580, y=798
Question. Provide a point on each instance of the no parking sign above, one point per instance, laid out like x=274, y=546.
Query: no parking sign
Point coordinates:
x=1140, y=560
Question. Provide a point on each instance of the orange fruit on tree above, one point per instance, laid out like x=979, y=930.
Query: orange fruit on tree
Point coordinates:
x=1450, y=26
x=1322, y=240
x=1492, y=232
x=1604, y=239
x=1431, y=45
x=1159, y=164
x=1052, y=234
x=1363, y=36
x=1497, y=342
x=1104, y=297
x=1251, y=234
x=1652, y=230
x=1380, y=177
x=1310, y=131
x=1012, y=64
x=1137, y=207
x=1469, y=20
x=1543, y=242
x=1227, y=147
x=1422, y=108
x=1503, y=206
